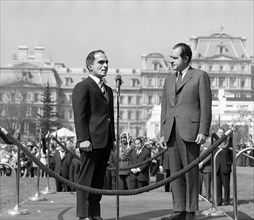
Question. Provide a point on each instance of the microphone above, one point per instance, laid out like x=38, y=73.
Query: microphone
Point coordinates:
x=118, y=83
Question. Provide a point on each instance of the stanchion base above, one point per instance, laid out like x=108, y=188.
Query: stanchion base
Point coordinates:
x=213, y=212
x=37, y=197
x=48, y=191
x=18, y=211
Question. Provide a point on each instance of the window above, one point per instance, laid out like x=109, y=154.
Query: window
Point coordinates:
x=222, y=82
x=210, y=68
x=36, y=97
x=130, y=99
x=199, y=67
x=160, y=99
x=130, y=114
x=134, y=82
x=138, y=114
x=70, y=98
x=1, y=97
x=121, y=99
x=232, y=68
x=149, y=81
x=243, y=83
x=221, y=68
x=34, y=111
x=68, y=81
x=24, y=97
x=233, y=82
x=12, y=97
x=160, y=82
x=243, y=68
x=138, y=100
x=121, y=114
x=213, y=81
x=150, y=99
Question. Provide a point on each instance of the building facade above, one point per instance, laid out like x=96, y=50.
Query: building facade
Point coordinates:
x=224, y=57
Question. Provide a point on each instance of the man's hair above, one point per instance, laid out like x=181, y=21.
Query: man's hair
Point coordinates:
x=90, y=58
x=185, y=50
x=139, y=139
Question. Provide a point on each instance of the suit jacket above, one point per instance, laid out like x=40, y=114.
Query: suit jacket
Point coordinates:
x=145, y=154
x=224, y=159
x=189, y=106
x=62, y=166
x=93, y=113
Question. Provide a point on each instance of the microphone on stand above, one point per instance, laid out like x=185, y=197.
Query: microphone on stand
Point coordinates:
x=118, y=83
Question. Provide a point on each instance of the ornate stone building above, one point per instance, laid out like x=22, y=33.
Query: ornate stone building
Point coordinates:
x=224, y=57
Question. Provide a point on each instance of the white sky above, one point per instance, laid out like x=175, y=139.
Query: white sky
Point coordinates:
x=69, y=30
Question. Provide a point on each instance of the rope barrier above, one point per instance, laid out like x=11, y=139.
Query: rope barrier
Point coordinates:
x=116, y=192
x=111, y=168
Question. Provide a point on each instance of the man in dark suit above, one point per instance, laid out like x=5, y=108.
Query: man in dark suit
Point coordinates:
x=139, y=176
x=94, y=123
x=185, y=123
x=61, y=163
x=224, y=162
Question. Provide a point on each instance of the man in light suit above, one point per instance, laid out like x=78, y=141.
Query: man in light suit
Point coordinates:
x=185, y=123
x=94, y=123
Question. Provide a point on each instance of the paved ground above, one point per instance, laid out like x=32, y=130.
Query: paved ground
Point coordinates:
x=147, y=206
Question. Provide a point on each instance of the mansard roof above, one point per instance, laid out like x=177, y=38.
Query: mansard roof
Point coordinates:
x=208, y=47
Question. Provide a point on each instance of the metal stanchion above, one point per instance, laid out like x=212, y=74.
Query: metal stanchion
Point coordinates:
x=213, y=211
x=37, y=196
x=118, y=84
x=48, y=190
x=16, y=210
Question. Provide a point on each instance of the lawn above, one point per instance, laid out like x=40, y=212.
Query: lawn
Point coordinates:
x=28, y=188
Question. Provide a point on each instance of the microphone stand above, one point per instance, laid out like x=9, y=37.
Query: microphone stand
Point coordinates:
x=118, y=84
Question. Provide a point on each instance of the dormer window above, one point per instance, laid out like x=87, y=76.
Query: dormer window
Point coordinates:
x=68, y=81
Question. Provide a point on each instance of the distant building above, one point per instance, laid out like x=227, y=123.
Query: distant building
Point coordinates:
x=224, y=57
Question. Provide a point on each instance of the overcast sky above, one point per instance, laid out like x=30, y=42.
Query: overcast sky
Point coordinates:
x=69, y=30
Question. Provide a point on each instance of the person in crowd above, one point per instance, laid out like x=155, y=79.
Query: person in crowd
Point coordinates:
x=92, y=102
x=75, y=168
x=139, y=176
x=125, y=149
x=62, y=162
x=155, y=163
x=205, y=171
x=34, y=166
x=6, y=158
x=224, y=161
x=185, y=122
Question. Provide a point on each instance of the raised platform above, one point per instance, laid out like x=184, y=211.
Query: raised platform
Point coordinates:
x=147, y=206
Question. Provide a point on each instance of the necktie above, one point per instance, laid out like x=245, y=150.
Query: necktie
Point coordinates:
x=101, y=84
x=179, y=80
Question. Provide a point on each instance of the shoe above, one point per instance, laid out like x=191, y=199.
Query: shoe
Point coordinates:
x=87, y=218
x=97, y=218
x=176, y=216
x=190, y=216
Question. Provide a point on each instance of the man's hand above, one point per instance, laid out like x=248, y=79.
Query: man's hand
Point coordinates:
x=85, y=146
x=200, y=139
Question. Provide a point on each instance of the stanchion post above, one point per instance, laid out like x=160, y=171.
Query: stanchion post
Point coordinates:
x=37, y=196
x=48, y=190
x=235, y=201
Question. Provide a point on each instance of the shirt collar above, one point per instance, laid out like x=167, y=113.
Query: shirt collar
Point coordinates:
x=95, y=78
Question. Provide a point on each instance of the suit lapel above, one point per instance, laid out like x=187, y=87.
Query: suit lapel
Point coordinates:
x=186, y=78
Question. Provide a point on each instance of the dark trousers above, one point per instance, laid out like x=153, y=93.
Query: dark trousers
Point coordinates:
x=223, y=180
x=168, y=185
x=92, y=173
x=185, y=189
x=205, y=177
x=135, y=184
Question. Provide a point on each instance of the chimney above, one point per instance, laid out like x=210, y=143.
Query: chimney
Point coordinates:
x=143, y=61
x=23, y=53
x=39, y=53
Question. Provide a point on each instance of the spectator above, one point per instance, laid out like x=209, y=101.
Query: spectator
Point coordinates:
x=139, y=176
x=75, y=168
x=224, y=161
x=62, y=163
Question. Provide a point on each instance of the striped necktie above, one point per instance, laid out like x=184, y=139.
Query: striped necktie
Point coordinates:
x=101, y=84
